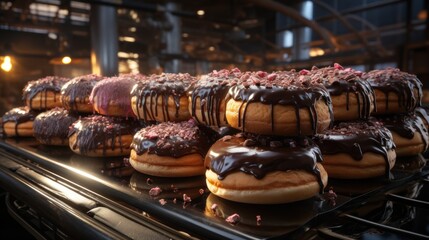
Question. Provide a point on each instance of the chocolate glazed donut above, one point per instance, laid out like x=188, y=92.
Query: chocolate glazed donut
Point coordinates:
x=75, y=93
x=261, y=169
x=210, y=91
x=284, y=90
x=407, y=87
x=347, y=81
x=158, y=91
x=407, y=126
x=41, y=88
x=356, y=139
x=17, y=116
x=266, y=154
x=102, y=133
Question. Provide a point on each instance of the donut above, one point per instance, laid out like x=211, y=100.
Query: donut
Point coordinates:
x=395, y=91
x=409, y=133
x=357, y=150
x=278, y=104
x=170, y=149
x=18, y=122
x=102, y=136
x=207, y=100
x=264, y=170
x=111, y=96
x=171, y=188
x=162, y=97
x=44, y=93
x=75, y=93
x=51, y=127
x=352, y=97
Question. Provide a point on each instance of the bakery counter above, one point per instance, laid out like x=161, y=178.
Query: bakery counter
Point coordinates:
x=52, y=188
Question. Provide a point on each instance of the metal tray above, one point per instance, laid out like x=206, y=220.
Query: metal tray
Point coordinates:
x=130, y=194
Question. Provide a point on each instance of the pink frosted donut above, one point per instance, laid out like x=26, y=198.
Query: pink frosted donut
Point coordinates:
x=111, y=96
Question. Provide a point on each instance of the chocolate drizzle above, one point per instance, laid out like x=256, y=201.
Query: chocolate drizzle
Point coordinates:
x=77, y=90
x=160, y=88
x=171, y=139
x=392, y=80
x=97, y=130
x=211, y=90
x=43, y=85
x=295, y=95
x=339, y=81
x=113, y=90
x=260, y=155
x=19, y=115
x=356, y=139
x=405, y=125
x=51, y=124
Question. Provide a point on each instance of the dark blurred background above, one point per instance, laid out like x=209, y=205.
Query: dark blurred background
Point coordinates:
x=111, y=37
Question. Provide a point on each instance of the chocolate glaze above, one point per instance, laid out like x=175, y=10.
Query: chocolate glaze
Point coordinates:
x=211, y=89
x=280, y=89
x=259, y=155
x=339, y=81
x=43, y=85
x=78, y=88
x=422, y=112
x=116, y=90
x=405, y=125
x=19, y=115
x=356, y=139
x=171, y=139
x=97, y=130
x=392, y=80
x=54, y=123
x=161, y=87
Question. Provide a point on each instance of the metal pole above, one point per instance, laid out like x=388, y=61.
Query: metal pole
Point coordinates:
x=104, y=40
x=173, y=38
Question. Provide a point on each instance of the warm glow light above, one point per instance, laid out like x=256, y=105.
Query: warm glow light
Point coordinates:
x=211, y=48
x=185, y=35
x=66, y=60
x=7, y=64
x=127, y=39
x=315, y=52
x=200, y=12
x=132, y=29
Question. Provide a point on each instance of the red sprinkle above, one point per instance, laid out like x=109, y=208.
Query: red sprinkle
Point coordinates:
x=233, y=219
x=162, y=201
x=153, y=192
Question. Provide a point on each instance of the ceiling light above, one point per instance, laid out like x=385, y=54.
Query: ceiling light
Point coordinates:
x=132, y=29
x=200, y=12
x=7, y=64
x=211, y=48
x=66, y=60
x=127, y=39
x=52, y=35
x=315, y=52
x=185, y=35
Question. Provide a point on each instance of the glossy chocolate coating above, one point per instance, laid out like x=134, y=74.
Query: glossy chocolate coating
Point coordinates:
x=280, y=89
x=405, y=125
x=211, y=89
x=171, y=139
x=339, y=80
x=77, y=90
x=54, y=123
x=19, y=115
x=356, y=139
x=43, y=85
x=97, y=130
x=392, y=80
x=161, y=87
x=259, y=155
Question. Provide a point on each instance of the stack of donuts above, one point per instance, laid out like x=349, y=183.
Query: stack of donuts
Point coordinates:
x=257, y=137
